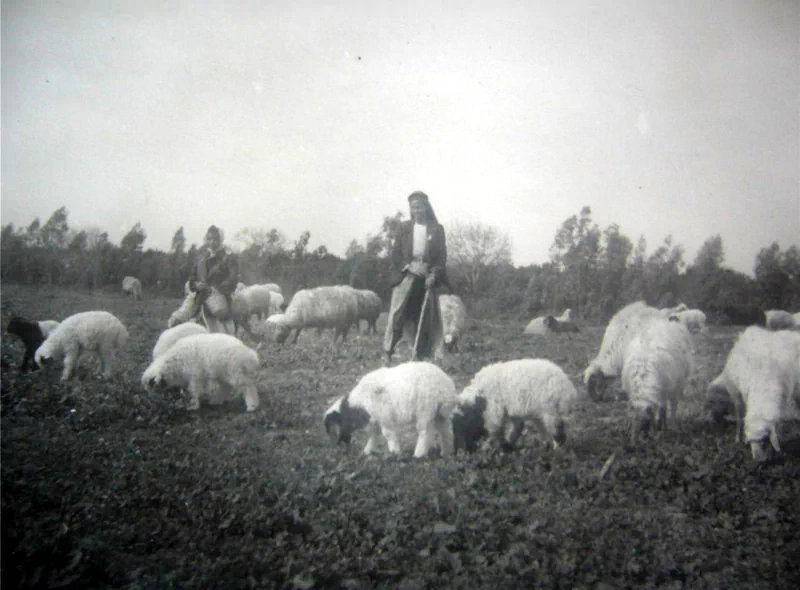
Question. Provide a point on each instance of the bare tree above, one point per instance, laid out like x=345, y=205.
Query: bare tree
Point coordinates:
x=473, y=248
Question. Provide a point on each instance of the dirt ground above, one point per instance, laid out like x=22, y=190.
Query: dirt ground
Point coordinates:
x=106, y=486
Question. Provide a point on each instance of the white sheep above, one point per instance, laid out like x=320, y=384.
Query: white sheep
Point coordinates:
x=32, y=334
x=413, y=397
x=656, y=369
x=172, y=335
x=133, y=287
x=323, y=307
x=623, y=326
x=89, y=331
x=223, y=318
x=454, y=319
x=369, y=308
x=559, y=326
x=276, y=303
x=565, y=317
x=537, y=326
x=777, y=319
x=204, y=364
x=255, y=300
x=513, y=392
x=693, y=319
x=762, y=379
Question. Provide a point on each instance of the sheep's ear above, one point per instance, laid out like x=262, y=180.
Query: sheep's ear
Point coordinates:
x=333, y=426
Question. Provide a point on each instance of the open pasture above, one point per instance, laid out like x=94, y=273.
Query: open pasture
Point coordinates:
x=106, y=486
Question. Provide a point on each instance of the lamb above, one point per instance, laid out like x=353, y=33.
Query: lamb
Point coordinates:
x=369, y=308
x=411, y=397
x=777, y=319
x=257, y=301
x=323, y=307
x=133, y=287
x=172, y=335
x=745, y=315
x=623, y=326
x=761, y=377
x=656, y=369
x=454, y=319
x=32, y=335
x=514, y=391
x=693, y=319
x=97, y=331
x=204, y=364
x=559, y=326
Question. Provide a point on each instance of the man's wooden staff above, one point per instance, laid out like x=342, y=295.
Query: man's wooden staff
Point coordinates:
x=419, y=325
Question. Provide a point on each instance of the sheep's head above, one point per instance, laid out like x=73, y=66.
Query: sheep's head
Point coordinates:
x=718, y=402
x=560, y=435
x=468, y=423
x=641, y=422
x=550, y=322
x=596, y=382
x=43, y=355
x=342, y=419
x=762, y=441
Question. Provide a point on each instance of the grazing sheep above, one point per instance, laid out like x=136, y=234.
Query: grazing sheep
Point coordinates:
x=323, y=307
x=204, y=364
x=172, y=335
x=620, y=331
x=537, y=326
x=559, y=326
x=745, y=315
x=32, y=335
x=369, y=308
x=257, y=301
x=777, y=319
x=761, y=377
x=411, y=397
x=656, y=369
x=454, y=319
x=276, y=303
x=223, y=317
x=514, y=391
x=133, y=287
x=693, y=319
x=89, y=331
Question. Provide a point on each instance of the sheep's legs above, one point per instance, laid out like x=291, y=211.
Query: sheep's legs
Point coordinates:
x=374, y=430
x=554, y=428
x=106, y=362
x=425, y=440
x=516, y=431
x=444, y=427
x=195, y=387
x=251, y=398
x=392, y=441
x=70, y=361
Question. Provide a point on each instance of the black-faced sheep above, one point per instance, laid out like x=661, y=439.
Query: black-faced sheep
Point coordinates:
x=761, y=377
x=513, y=392
x=656, y=368
x=413, y=397
x=89, y=331
x=454, y=320
x=205, y=364
x=622, y=328
x=32, y=335
x=133, y=287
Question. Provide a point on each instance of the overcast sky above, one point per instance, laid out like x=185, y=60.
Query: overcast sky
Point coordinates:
x=676, y=117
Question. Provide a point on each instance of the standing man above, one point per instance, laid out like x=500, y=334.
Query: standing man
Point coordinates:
x=215, y=267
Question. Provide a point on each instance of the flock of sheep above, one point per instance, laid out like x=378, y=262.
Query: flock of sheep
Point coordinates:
x=651, y=350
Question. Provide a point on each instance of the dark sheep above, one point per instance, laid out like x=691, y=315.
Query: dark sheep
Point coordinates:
x=555, y=325
x=32, y=334
x=745, y=315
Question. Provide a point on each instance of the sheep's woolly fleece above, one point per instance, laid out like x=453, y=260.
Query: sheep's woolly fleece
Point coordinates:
x=172, y=335
x=693, y=319
x=87, y=331
x=620, y=330
x=535, y=389
x=454, y=319
x=369, y=307
x=414, y=397
x=200, y=362
x=132, y=286
x=762, y=377
x=657, y=367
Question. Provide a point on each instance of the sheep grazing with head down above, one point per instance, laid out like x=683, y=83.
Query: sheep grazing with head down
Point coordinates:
x=89, y=331
x=172, y=335
x=624, y=325
x=369, y=309
x=204, y=364
x=761, y=378
x=323, y=307
x=133, y=287
x=454, y=320
x=32, y=335
x=513, y=392
x=255, y=300
x=656, y=369
x=415, y=397
x=777, y=319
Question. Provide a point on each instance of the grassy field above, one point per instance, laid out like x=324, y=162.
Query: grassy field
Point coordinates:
x=106, y=486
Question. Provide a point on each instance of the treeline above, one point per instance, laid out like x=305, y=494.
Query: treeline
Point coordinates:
x=591, y=270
